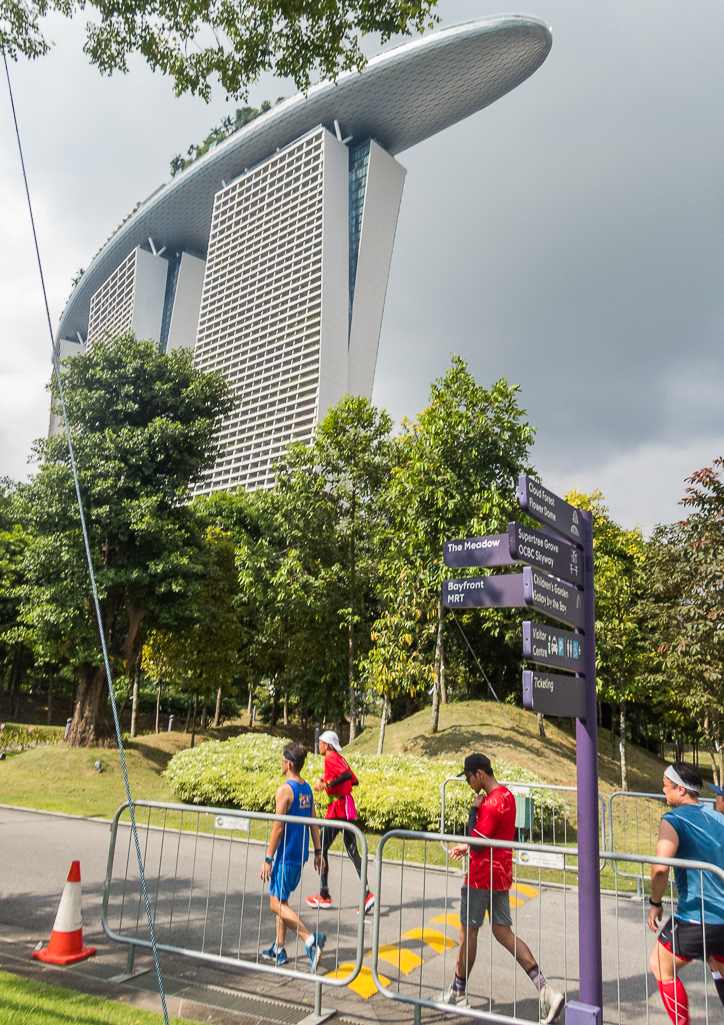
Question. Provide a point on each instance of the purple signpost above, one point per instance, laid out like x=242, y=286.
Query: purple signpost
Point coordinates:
x=555, y=694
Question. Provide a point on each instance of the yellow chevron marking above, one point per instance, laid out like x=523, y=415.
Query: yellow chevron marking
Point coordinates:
x=400, y=957
x=433, y=937
x=528, y=891
x=448, y=919
x=363, y=985
x=515, y=902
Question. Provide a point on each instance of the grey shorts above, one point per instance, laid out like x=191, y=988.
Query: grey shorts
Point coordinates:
x=475, y=903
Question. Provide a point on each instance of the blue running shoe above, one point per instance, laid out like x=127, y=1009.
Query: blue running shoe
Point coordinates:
x=315, y=951
x=280, y=957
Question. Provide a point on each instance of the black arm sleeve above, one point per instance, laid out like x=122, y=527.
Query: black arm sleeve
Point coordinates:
x=339, y=779
x=472, y=819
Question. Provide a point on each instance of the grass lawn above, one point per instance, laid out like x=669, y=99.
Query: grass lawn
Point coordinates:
x=25, y=1002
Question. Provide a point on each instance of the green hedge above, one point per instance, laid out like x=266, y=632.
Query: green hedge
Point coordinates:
x=395, y=791
x=28, y=736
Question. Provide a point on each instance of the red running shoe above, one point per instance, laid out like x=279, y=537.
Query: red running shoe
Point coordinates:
x=318, y=901
x=369, y=902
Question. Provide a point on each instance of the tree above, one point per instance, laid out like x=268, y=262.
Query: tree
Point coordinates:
x=686, y=571
x=202, y=656
x=143, y=426
x=16, y=640
x=236, y=42
x=623, y=651
x=457, y=475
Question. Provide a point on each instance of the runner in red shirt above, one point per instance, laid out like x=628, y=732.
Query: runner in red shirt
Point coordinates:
x=338, y=782
x=487, y=887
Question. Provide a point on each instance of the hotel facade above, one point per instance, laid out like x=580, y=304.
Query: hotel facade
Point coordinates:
x=270, y=255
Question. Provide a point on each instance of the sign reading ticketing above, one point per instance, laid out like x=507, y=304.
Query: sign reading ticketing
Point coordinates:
x=553, y=647
x=521, y=544
x=553, y=597
x=552, y=694
x=549, y=509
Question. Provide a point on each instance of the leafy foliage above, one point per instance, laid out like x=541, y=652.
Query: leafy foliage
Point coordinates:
x=236, y=41
x=395, y=791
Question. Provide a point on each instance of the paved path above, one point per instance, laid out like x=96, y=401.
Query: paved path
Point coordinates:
x=207, y=896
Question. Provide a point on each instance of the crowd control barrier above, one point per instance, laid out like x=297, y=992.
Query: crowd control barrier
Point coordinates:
x=543, y=812
x=208, y=902
x=416, y=936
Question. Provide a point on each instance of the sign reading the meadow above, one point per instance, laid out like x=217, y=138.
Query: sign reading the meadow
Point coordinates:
x=538, y=548
x=552, y=647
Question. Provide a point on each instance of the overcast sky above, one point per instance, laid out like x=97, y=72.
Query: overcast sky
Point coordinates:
x=569, y=238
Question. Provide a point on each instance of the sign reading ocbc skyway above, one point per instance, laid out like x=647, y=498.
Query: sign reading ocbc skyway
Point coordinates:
x=556, y=580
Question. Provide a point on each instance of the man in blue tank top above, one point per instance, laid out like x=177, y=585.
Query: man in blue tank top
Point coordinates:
x=695, y=832
x=287, y=852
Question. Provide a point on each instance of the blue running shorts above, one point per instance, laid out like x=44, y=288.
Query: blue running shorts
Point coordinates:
x=284, y=879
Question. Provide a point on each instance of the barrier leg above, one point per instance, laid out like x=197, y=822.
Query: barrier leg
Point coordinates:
x=320, y=1013
x=418, y=1014
x=129, y=972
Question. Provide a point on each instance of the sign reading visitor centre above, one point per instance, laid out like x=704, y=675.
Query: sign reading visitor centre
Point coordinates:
x=552, y=647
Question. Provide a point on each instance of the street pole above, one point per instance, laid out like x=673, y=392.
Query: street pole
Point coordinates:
x=589, y=872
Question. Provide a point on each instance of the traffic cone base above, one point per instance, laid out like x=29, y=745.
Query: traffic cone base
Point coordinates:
x=66, y=939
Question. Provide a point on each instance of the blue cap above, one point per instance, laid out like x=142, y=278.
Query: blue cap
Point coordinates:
x=717, y=790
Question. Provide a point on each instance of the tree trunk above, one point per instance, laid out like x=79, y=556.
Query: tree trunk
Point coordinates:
x=158, y=704
x=439, y=665
x=193, y=725
x=275, y=705
x=188, y=715
x=286, y=707
x=251, y=698
x=350, y=635
x=134, y=706
x=541, y=726
x=203, y=716
x=440, y=649
x=92, y=725
x=50, y=699
x=217, y=713
x=622, y=746
x=383, y=724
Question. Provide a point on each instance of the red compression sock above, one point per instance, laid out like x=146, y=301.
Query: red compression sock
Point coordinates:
x=675, y=1000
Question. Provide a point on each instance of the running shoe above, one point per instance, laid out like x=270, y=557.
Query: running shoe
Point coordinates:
x=318, y=901
x=453, y=996
x=369, y=902
x=551, y=1002
x=315, y=951
x=278, y=956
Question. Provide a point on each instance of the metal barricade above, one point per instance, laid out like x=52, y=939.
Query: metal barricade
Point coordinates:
x=416, y=931
x=633, y=827
x=208, y=902
x=543, y=811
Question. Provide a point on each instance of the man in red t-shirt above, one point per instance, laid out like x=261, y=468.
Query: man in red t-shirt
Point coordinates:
x=338, y=782
x=487, y=887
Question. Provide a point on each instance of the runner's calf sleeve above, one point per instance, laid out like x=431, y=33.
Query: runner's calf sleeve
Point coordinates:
x=537, y=977
x=675, y=1000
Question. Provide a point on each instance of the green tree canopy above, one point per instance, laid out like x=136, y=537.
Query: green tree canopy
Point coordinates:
x=142, y=425
x=236, y=42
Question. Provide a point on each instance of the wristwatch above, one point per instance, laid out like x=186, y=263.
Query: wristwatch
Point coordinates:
x=656, y=903
x=268, y=859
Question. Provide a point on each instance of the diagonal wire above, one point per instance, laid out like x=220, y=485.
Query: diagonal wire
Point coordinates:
x=96, y=603
x=485, y=676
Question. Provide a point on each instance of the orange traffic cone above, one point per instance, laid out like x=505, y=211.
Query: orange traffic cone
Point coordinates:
x=66, y=939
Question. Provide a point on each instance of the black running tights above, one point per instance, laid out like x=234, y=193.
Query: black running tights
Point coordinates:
x=329, y=835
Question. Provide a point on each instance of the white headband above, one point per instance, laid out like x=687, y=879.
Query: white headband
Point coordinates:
x=671, y=773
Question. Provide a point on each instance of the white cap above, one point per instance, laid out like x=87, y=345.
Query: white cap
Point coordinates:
x=331, y=738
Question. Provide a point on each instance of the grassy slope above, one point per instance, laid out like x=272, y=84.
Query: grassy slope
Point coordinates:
x=26, y=1002
x=467, y=726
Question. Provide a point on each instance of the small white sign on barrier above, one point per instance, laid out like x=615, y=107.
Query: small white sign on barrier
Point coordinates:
x=232, y=822
x=539, y=859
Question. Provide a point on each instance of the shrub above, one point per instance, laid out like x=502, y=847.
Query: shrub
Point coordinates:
x=397, y=791
x=27, y=736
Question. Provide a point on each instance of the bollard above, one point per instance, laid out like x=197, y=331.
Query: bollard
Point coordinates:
x=170, y=723
x=317, y=731
x=67, y=728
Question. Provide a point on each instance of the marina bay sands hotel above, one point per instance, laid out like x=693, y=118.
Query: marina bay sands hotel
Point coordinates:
x=269, y=256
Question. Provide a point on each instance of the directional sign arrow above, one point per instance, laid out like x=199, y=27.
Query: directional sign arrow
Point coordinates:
x=549, y=509
x=552, y=694
x=484, y=592
x=546, y=551
x=493, y=550
x=553, y=647
x=558, y=600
